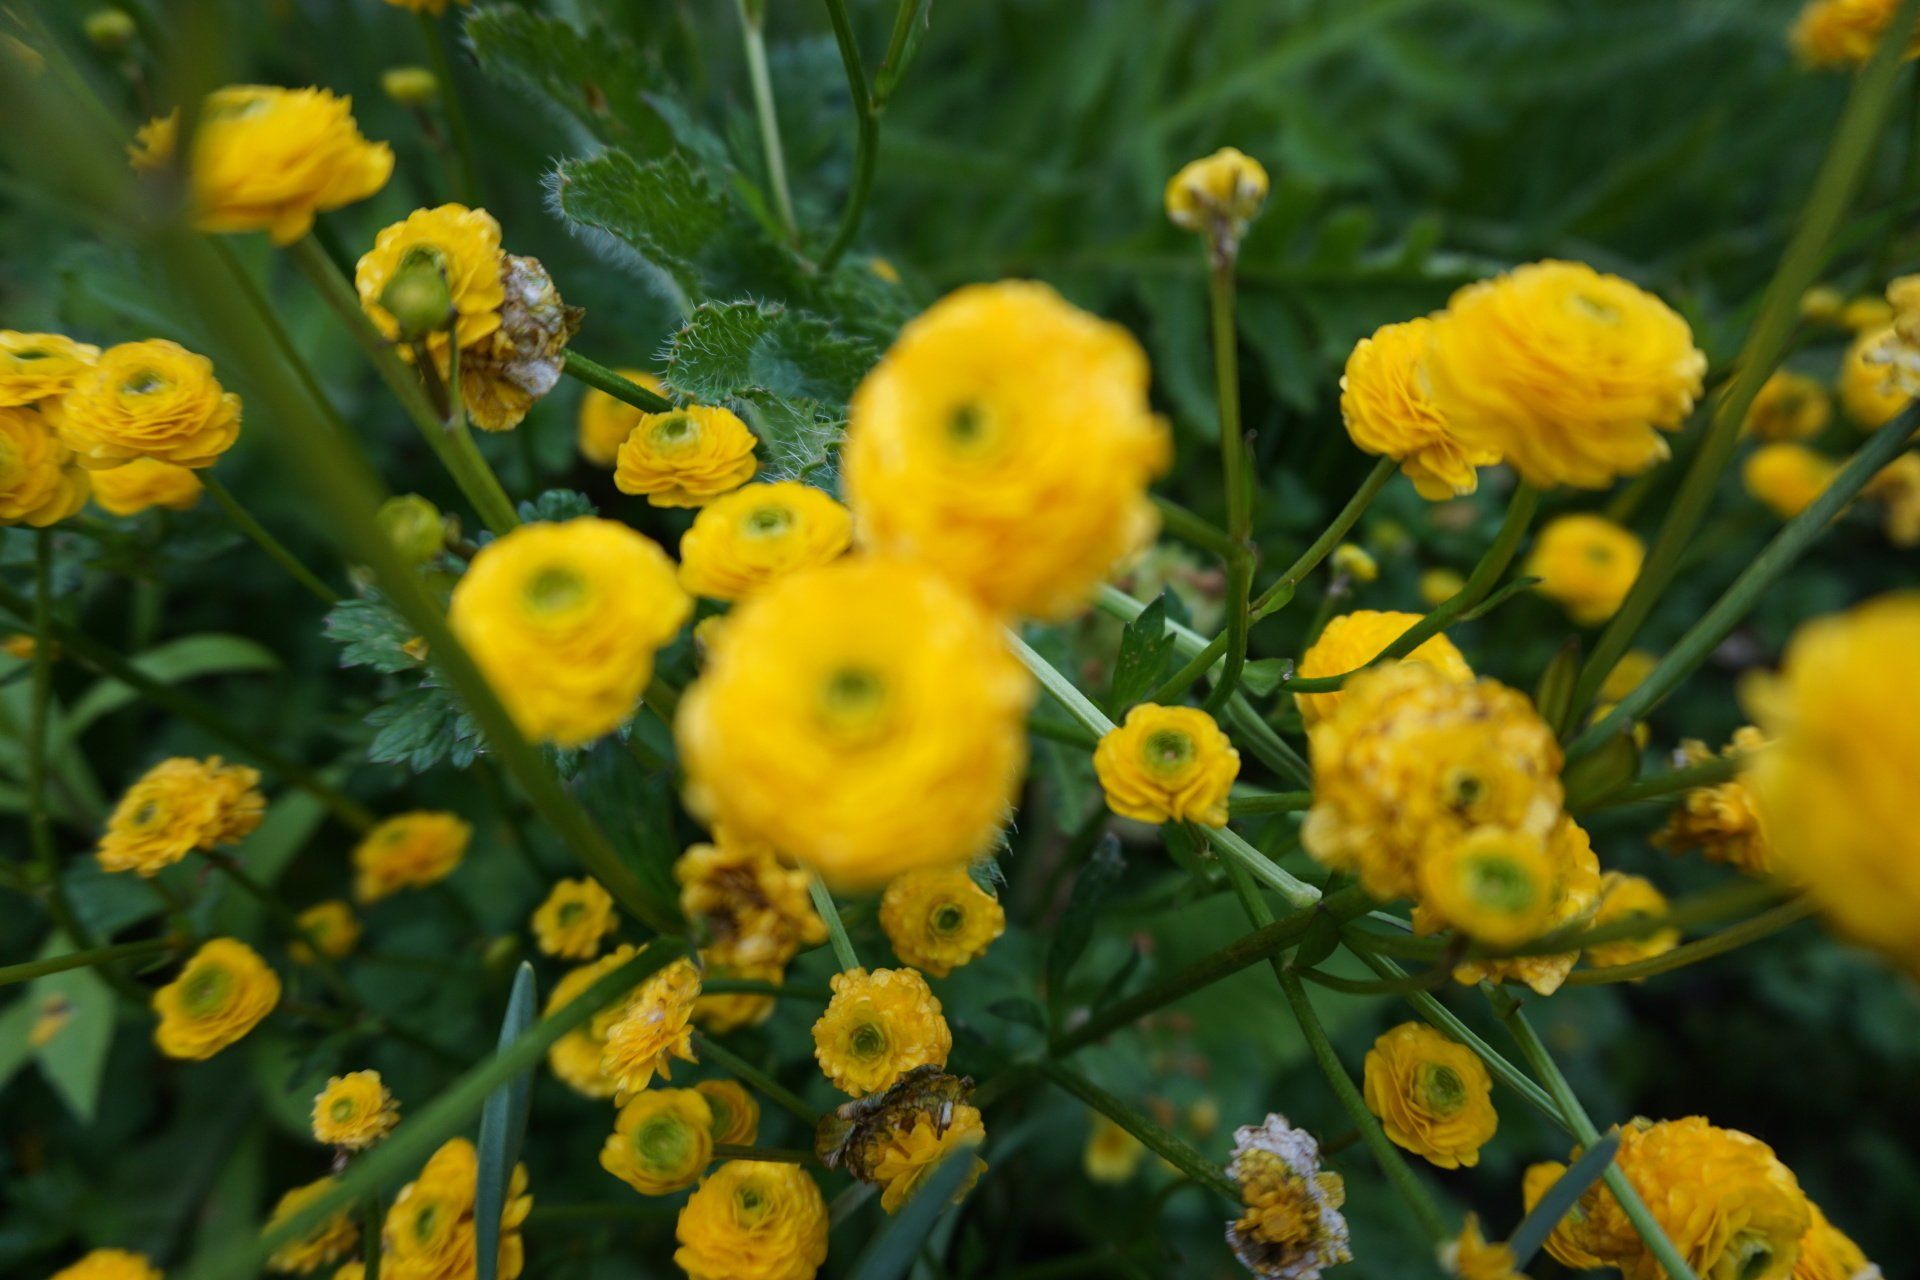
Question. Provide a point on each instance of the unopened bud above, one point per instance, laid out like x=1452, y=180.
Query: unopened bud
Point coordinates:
x=1355, y=562
x=418, y=298
x=414, y=527
x=410, y=86
x=1218, y=194
x=109, y=30
x=1821, y=304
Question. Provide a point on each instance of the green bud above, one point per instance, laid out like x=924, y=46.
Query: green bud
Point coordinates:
x=414, y=526
x=109, y=30
x=418, y=298
x=410, y=86
x=1596, y=776
x=1553, y=697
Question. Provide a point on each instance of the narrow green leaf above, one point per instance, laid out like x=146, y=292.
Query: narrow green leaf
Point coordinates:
x=1144, y=648
x=187, y=658
x=1091, y=888
x=893, y=1251
x=1559, y=1198
x=503, y=1124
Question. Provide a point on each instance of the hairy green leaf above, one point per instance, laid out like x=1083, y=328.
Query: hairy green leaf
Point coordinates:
x=733, y=348
x=665, y=215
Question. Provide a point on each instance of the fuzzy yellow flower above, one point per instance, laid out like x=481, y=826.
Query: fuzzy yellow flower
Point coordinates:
x=1786, y=477
x=1469, y=1256
x=178, y=806
x=464, y=244
x=354, y=1111
x=938, y=919
x=408, y=851
x=564, y=620
x=1006, y=440
x=1870, y=392
x=1896, y=487
x=1167, y=764
x=1386, y=400
x=736, y=1116
x=1568, y=374
x=41, y=483
x=662, y=1141
x=269, y=159
x=1842, y=33
x=333, y=1238
x=878, y=1027
x=1112, y=1155
x=863, y=717
x=1292, y=1228
x=753, y=1220
x=686, y=457
x=576, y=1057
x=918, y=1144
x=1720, y=820
x=1586, y=564
x=651, y=1029
x=743, y=541
x=605, y=421
x=1835, y=788
x=755, y=909
x=152, y=399
x=40, y=366
x=1433, y=1095
x=429, y=1230
x=1222, y=191
x=1826, y=1253
x=331, y=926
x=222, y=993
x=141, y=484
x=110, y=1264
x=1350, y=560
x=1788, y=406
x=1575, y=898
x=575, y=919
x=1494, y=885
x=1352, y=640
x=1625, y=897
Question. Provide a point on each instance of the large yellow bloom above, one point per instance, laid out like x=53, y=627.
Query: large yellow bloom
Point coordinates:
x=40, y=366
x=1835, y=790
x=152, y=399
x=1826, y=1253
x=1167, y=764
x=269, y=159
x=222, y=993
x=408, y=851
x=1386, y=400
x=1586, y=564
x=938, y=919
x=110, y=1264
x=753, y=1220
x=1786, y=477
x=354, y=1111
x=686, y=457
x=1626, y=897
x=878, y=1027
x=736, y=1116
x=605, y=422
x=1006, y=440
x=1870, y=390
x=1292, y=1227
x=332, y=1239
x=178, y=806
x=133, y=487
x=1788, y=406
x=1843, y=33
x=1433, y=1095
x=1568, y=374
x=863, y=717
x=429, y=1230
x=755, y=909
x=464, y=243
x=1352, y=640
x=651, y=1029
x=575, y=918
x=661, y=1142
x=40, y=481
x=915, y=1146
x=743, y=541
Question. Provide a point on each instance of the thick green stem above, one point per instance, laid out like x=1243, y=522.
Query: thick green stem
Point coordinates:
x=1665, y=785
x=1063, y=691
x=1237, y=852
x=1271, y=802
x=28, y=970
x=866, y=142
x=466, y=174
x=243, y=520
x=843, y=951
x=1226, y=386
x=371, y=1222
x=727, y=1060
x=1747, y=931
x=753, y=41
x=598, y=376
x=1156, y=1139
x=1183, y=523
x=1277, y=595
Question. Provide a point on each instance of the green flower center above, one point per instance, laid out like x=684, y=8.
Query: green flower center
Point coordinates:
x=1746, y=1258
x=1599, y=553
x=1463, y=790
x=342, y=1109
x=31, y=353
x=853, y=701
x=1499, y=883
x=663, y=1142
x=148, y=811
x=1595, y=309
x=1166, y=750
x=766, y=522
x=868, y=1041
x=1442, y=1089
x=967, y=426
x=570, y=912
x=143, y=383
x=752, y=1205
x=673, y=430
x=722, y=1114
x=948, y=917
x=554, y=589
x=206, y=991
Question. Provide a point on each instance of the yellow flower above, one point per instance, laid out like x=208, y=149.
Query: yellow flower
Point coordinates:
x=464, y=244
x=408, y=851
x=1577, y=1233
x=938, y=919
x=1789, y=406
x=135, y=486
x=269, y=159
x=40, y=366
x=863, y=717
x=1006, y=440
x=1870, y=391
x=753, y=1220
x=651, y=1029
x=1437, y=586
x=222, y=993
x=1469, y=1257
x=1576, y=894
x=1494, y=885
x=1864, y=314
x=685, y=457
x=1842, y=33
x=21, y=647
x=178, y=806
x=1720, y=820
x=576, y=1056
x=1787, y=477
x=755, y=909
x=502, y=375
x=429, y=1230
x=1568, y=374
x=1352, y=640
x=1896, y=487
x=576, y=917
x=1350, y=560
x=1821, y=304
x=410, y=86
x=662, y=1141
x=332, y=1239
x=914, y=1148
x=152, y=399
x=1826, y=1253
x=1586, y=564
x=878, y=1027
x=50, y=1019
x=354, y=1111
x=1222, y=191
x=1411, y=761
x=743, y=541
x=722, y=1011
x=736, y=1116
x=605, y=422
x=333, y=928
x=1835, y=788
x=350, y=1271
x=110, y=1264
x=1292, y=1228
x=1635, y=665
x=1112, y=1155
x=1629, y=897
x=1167, y=764
x=1433, y=1095
x=1386, y=400
x=40, y=482
x=565, y=619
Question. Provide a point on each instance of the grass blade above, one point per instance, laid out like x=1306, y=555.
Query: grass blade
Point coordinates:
x=503, y=1123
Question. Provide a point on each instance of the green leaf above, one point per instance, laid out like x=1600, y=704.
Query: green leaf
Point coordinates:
x=667, y=215
x=187, y=658
x=893, y=1251
x=733, y=348
x=1144, y=648
x=797, y=438
x=503, y=1124
x=595, y=78
x=15, y=1050
x=556, y=505
x=75, y=1057
x=1560, y=1197
x=421, y=728
x=1091, y=888
x=370, y=635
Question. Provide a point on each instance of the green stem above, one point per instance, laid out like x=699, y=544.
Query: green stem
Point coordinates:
x=598, y=376
x=1226, y=383
x=1156, y=1139
x=466, y=174
x=1272, y=802
x=1261, y=739
x=1183, y=523
x=836, y=930
x=1277, y=595
x=900, y=50
x=243, y=520
x=1731, y=939
x=28, y=970
x=712, y=1051
x=1237, y=852
x=371, y=1222
x=866, y=142
x=1062, y=690
x=753, y=39
x=39, y=822
x=1661, y=786
x=1239, y=620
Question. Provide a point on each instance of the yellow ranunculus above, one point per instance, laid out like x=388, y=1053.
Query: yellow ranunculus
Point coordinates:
x=40, y=366
x=328, y=1241
x=917, y=1145
x=575, y=919
x=879, y=1026
x=178, y=806
x=408, y=851
x=1494, y=885
x=429, y=1230
x=1787, y=477
x=1167, y=764
x=1586, y=564
x=1843, y=33
x=605, y=422
x=662, y=1141
x=1352, y=640
x=1386, y=401
x=741, y=542
x=755, y=909
x=135, y=486
x=653, y=1027
x=685, y=457
x=753, y=1220
x=1626, y=897
x=222, y=993
x=1789, y=406
x=110, y=1264
x=1292, y=1225
x=1870, y=390
x=333, y=928
x=938, y=919
x=1433, y=1095
x=736, y=1116
x=152, y=399
x=576, y=1056
x=40, y=481
x=1224, y=189
x=464, y=244
x=354, y=1111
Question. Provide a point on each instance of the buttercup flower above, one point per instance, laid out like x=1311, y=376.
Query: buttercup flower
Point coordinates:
x=1350, y=560
x=1112, y=1155
x=1437, y=586
x=877, y=1027
x=1720, y=820
x=1826, y=1253
x=755, y=909
x=464, y=244
x=222, y=993
x=1292, y=1228
x=662, y=1141
x=1492, y=884
x=575, y=918
x=564, y=620
x=1870, y=392
x=408, y=851
x=576, y=1056
x=136, y=486
x=429, y=1230
x=1841, y=33
x=1386, y=401
x=686, y=457
x=1788, y=406
x=863, y=717
x=40, y=481
x=736, y=1116
x=1896, y=487
x=755, y=534
x=1787, y=477
x=40, y=366
x=334, y=1237
x=1629, y=897
x=753, y=1220
x=269, y=159
x=605, y=421
x=1586, y=564
x=1568, y=374
x=110, y=1264
x=1352, y=640
x=916, y=1147
x=1219, y=193
x=178, y=806
x=651, y=1029
x=152, y=399
x=938, y=919
x=1167, y=764
x=1433, y=1095
x=1575, y=897
x=1006, y=440
x=332, y=927
x=354, y=1111
x=1469, y=1257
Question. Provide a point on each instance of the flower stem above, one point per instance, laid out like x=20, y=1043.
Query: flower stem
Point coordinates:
x=28, y=970
x=1167, y=1146
x=371, y=1221
x=866, y=141
x=753, y=40
x=843, y=951
x=1733, y=938
x=466, y=174
x=1237, y=852
x=1277, y=595
x=1063, y=690
x=1659, y=787
x=712, y=1051
x=598, y=376
x=243, y=520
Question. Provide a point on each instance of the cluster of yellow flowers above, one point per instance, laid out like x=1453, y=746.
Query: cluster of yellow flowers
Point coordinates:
x=429, y=1229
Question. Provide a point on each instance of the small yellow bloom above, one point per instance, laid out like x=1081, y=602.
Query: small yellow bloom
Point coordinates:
x=1350, y=560
x=222, y=993
x=1222, y=191
x=1635, y=665
x=1433, y=1095
x=1292, y=1228
x=753, y=1220
x=878, y=1027
x=464, y=244
x=756, y=910
x=354, y=1111
x=914, y=1148
x=1352, y=640
x=1863, y=315
x=575, y=919
x=1112, y=1155
x=686, y=457
x=1437, y=586
x=1870, y=390
x=332, y=1239
x=1821, y=304
x=1896, y=487
x=143, y=483
x=605, y=422
x=938, y=919
x=152, y=399
x=1787, y=477
x=408, y=851
x=1167, y=764
x=576, y=1056
x=429, y=1231
x=110, y=1264
x=332, y=927
x=1469, y=1257
x=1494, y=885
x=40, y=366
x=178, y=806
x=41, y=483
x=20, y=646
x=1721, y=820
x=743, y=541
x=1789, y=406
x=651, y=1029
x=410, y=86
x=662, y=1141
x=1826, y=1253
x=1586, y=564
x=1629, y=897
x=1386, y=401
x=736, y=1116
x=1576, y=894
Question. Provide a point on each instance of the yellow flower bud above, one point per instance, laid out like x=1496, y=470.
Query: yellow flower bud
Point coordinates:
x=410, y=86
x=1356, y=562
x=332, y=927
x=110, y=1264
x=1786, y=477
x=108, y=30
x=1821, y=304
x=1626, y=897
x=1789, y=406
x=606, y=421
x=1865, y=314
x=1870, y=393
x=736, y=1115
x=414, y=526
x=1437, y=586
x=142, y=484
x=1224, y=190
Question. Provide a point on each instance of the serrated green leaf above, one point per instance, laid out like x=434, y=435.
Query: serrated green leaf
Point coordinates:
x=1142, y=658
x=556, y=505
x=421, y=728
x=596, y=78
x=798, y=438
x=187, y=658
x=728, y=349
x=370, y=635
x=503, y=1124
x=667, y=214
